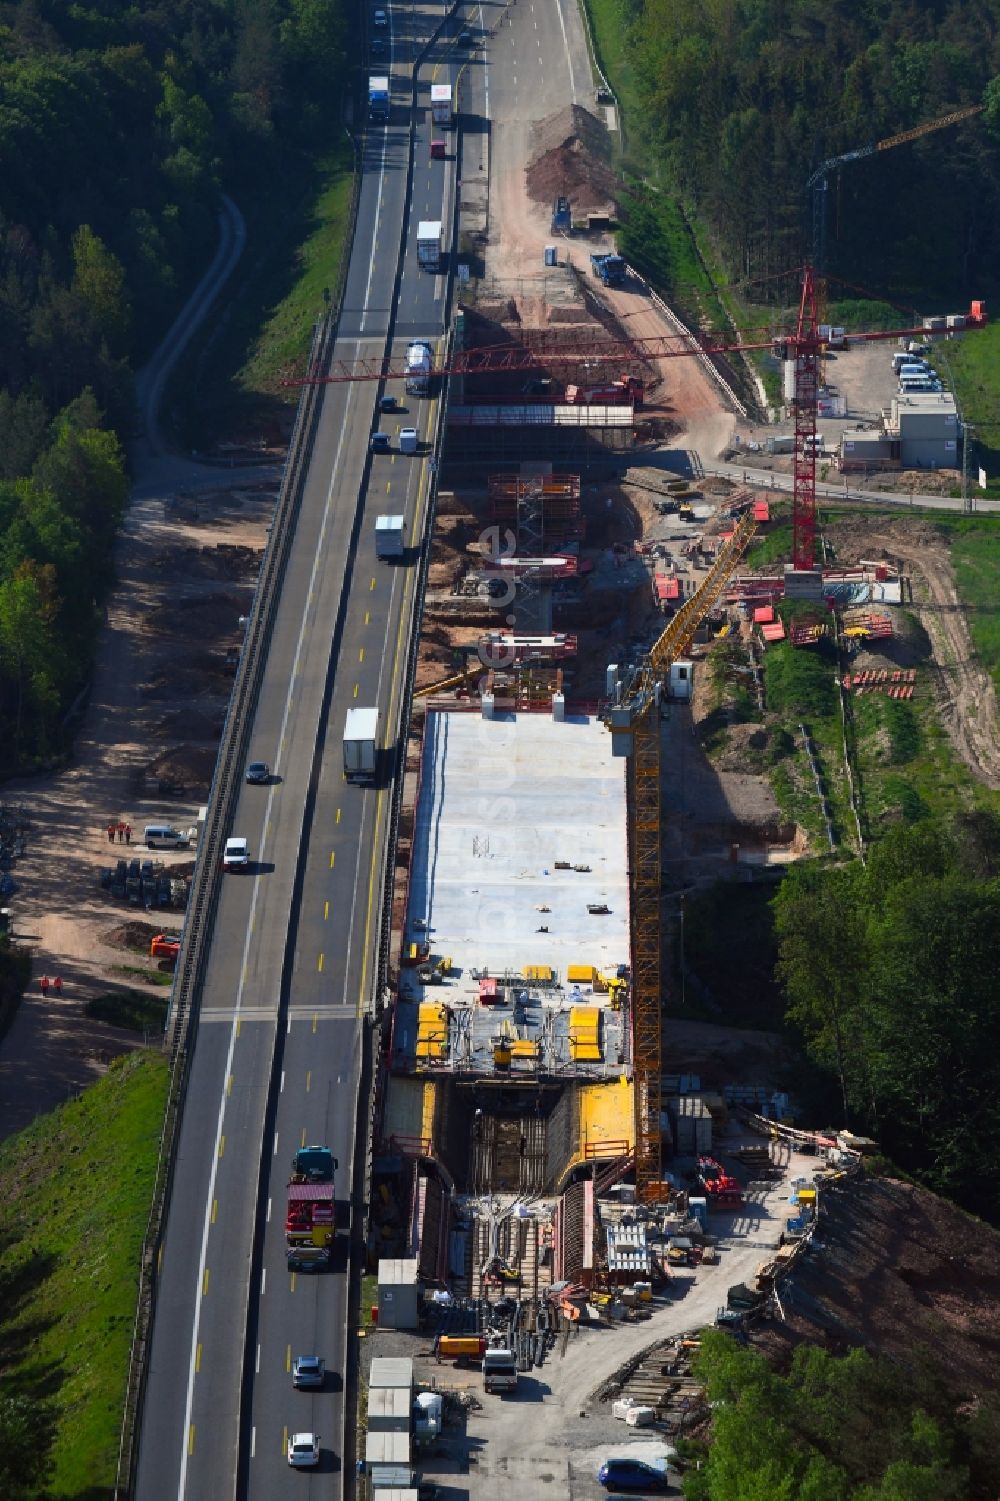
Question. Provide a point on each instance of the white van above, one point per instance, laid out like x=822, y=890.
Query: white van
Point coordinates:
x=161, y=836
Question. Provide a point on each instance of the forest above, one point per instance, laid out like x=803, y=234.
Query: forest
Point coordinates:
x=838, y=1428
x=889, y=976
x=741, y=100
x=120, y=125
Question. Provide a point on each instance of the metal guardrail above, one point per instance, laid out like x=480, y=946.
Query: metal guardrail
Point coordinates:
x=203, y=901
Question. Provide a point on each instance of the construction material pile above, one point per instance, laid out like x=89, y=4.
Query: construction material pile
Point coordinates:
x=570, y=158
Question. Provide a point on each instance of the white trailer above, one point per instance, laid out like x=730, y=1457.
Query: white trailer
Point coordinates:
x=390, y=536
x=360, y=745
x=430, y=239
x=441, y=104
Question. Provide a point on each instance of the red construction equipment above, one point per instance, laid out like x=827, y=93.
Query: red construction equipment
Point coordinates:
x=718, y=1186
x=802, y=348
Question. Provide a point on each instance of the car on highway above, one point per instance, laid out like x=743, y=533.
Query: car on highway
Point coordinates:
x=387, y=403
x=308, y=1371
x=380, y=443
x=465, y=38
x=258, y=773
x=303, y=1450
x=635, y=1475
x=236, y=855
x=307, y=1258
x=380, y=18
x=377, y=45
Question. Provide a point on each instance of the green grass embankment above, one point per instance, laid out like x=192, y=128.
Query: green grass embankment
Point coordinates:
x=229, y=384
x=75, y=1191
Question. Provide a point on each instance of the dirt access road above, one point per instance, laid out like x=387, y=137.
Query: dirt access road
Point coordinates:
x=185, y=562
x=966, y=695
x=552, y=1435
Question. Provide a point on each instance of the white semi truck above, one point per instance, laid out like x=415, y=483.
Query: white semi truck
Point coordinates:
x=430, y=243
x=419, y=361
x=361, y=745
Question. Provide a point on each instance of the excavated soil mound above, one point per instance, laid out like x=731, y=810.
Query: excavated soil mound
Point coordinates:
x=569, y=158
x=136, y=936
x=899, y=1268
x=190, y=765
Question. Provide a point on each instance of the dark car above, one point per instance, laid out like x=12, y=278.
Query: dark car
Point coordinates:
x=387, y=403
x=258, y=773
x=465, y=38
x=622, y=1474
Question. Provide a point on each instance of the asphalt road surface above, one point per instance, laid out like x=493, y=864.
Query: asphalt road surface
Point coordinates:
x=292, y=961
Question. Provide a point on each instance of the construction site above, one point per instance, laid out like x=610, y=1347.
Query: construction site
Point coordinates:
x=553, y=1156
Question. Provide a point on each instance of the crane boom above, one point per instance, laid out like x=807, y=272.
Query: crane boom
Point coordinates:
x=500, y=359
x=634, y=721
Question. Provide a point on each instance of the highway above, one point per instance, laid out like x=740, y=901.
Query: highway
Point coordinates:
x=292, y=960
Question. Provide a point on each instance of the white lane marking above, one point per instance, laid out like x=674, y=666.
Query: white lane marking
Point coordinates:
x=253, y=1432
x=263, y=1282
x=292, y=694
x=269, y=1211
x=569, y=60
x=274, y=1152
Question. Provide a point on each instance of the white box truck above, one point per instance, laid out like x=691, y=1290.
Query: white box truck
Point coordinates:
x=360, y=745
x=441, y=104
x=390, y=536
x=430, y=236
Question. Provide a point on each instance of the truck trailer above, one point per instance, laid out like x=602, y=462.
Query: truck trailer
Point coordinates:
x=430, y=244
x=361, y=745
x=378, y=98
x=390, y=537
x=441, y=104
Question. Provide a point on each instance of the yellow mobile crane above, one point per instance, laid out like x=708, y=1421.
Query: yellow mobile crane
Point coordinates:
x=634, y=721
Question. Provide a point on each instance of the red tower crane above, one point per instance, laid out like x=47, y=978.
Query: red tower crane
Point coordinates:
x=801, y=347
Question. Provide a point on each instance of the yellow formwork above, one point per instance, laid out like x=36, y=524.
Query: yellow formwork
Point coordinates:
x=432, y=1030
x=607, y=1118
x=584, y=1034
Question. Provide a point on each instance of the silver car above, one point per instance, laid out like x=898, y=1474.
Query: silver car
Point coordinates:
x=308, y=1371
x=303, y=1450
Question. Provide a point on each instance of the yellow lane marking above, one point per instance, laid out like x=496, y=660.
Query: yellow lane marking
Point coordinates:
x=288, y=1358
x=197, y=1359
x=320, y=965
x=371, y=586
x=222, y=1145
x=215, y=1210
x=239, y=1024
x=191, y=1439
x=355, y=690
x=303, y=1141
x=395, y=685
x=333, y=858
x=293, y=1282
x=338, y=815
x=368, y=616
x=229, y=1084
x=204, y=1284
x=361, y=655
x=309, y=1070
x=315, y=1025
x=326, y=909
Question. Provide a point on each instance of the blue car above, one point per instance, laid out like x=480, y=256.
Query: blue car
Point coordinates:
x=633, y=1475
